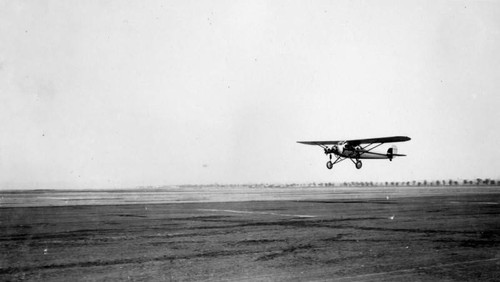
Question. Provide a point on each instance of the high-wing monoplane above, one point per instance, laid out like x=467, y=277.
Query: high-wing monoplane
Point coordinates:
x=358, y=149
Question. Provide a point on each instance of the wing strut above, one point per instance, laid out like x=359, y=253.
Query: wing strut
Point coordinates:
x=370, y=149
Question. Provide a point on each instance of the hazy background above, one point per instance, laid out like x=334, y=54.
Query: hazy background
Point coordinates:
x=125, y=93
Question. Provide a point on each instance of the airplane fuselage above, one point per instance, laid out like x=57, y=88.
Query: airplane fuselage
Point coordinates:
x=346, y=153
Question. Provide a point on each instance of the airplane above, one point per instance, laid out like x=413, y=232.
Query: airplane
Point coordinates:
x=358, y=149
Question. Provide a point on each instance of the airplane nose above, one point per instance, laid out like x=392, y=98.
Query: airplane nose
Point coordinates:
x=340, y=148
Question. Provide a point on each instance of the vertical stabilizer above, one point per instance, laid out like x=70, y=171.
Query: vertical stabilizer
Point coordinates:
x=392, y=151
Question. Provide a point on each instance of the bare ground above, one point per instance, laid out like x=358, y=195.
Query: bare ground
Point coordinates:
x=431, y=238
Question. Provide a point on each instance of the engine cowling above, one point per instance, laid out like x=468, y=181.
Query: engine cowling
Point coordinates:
x=340, y=147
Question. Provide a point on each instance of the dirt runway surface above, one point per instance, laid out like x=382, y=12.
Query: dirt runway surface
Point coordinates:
x=428, y=238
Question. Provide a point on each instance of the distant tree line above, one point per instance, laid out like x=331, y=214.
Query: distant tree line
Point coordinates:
x=411, y=183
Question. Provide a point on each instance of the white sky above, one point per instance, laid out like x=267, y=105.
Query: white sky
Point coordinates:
x=125, y=93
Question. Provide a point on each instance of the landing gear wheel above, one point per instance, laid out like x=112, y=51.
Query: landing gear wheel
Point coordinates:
x=329, y=165
x=359, y=164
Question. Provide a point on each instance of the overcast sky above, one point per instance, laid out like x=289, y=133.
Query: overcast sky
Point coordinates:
x=125, y=93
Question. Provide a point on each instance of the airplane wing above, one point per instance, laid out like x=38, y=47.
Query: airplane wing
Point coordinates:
x=355, y=142
x=319, y=142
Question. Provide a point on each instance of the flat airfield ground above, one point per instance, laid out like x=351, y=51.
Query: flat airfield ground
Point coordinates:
x=441, y=236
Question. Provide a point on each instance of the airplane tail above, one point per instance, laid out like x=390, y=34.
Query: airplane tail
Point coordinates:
x=393, y=152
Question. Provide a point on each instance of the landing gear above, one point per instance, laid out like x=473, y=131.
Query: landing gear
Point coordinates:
x=329, y=165
x=359, y=164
